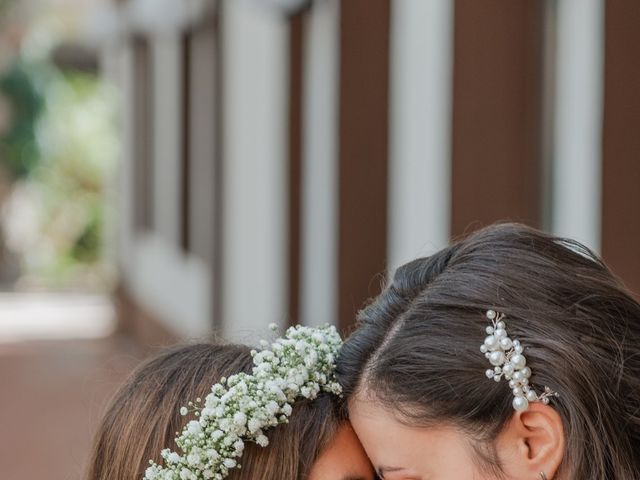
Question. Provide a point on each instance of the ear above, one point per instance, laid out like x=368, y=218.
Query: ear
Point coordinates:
x=532, y=442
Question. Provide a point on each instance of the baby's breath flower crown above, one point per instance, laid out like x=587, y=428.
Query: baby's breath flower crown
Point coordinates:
x=241, y=408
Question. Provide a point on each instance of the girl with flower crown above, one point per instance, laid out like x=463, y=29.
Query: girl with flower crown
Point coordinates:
x=244, y=415
x=509, y=355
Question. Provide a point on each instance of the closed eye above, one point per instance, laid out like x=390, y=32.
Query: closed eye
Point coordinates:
x=383, y=471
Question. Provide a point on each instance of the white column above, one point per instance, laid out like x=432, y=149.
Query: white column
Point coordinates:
x=124, y=197
x=421, y=76
x=174, y=287
x=576, y=163
x=255, y=175
x=167, y=130
x=320, y=168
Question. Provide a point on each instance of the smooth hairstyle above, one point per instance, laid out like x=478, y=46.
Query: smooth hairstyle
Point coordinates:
x=143, y=418
x=416, y=351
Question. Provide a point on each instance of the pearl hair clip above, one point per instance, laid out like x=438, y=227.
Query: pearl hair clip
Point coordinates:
x=506, y=356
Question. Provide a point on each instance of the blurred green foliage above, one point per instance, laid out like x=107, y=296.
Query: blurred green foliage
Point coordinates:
x=79, y=146
x=69, y=127
x=19, y=150
x=4, y=4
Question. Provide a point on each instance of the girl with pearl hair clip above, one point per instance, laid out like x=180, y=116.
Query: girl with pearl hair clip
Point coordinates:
x=510, y=354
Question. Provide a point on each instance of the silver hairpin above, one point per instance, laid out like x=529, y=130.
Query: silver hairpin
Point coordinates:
x=506, y=356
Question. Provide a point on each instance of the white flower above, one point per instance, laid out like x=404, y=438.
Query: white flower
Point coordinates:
x=194, y=427
x=254, y=425
x=151, y=473
x=240, y=419
x=239, y=446
x=262, y=440
x=311, y=359
x=206, y=412
x=272, y=408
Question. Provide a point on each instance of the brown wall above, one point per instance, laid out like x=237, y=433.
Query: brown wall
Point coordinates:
x=621, y=142
x=496, y=113
x=363, y=152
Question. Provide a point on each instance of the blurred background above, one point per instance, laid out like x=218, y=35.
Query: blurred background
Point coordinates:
x=171, y=169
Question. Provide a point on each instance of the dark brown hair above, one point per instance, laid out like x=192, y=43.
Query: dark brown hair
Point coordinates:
x=143, y=418
x=416, y=348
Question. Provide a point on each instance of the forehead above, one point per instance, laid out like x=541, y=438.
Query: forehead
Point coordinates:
x=391, y=443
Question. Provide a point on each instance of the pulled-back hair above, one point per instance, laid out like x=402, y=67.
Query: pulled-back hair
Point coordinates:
x=416, y=348
x=143, y=418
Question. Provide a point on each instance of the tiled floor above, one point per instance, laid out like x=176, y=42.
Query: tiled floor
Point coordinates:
x=52, y=395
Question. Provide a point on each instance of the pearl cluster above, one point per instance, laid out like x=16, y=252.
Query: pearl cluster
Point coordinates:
x=506, y=356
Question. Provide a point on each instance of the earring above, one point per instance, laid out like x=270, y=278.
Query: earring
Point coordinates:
x=543, y=476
